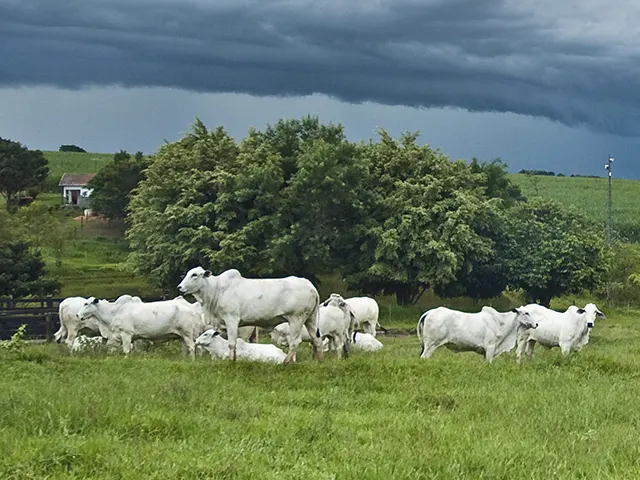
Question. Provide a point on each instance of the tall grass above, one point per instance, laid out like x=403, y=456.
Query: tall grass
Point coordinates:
x=378, y=415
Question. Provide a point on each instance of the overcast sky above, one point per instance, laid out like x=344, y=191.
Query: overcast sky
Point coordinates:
x=543, y=84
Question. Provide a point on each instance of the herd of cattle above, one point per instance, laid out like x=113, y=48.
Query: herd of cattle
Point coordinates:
x=290, y=308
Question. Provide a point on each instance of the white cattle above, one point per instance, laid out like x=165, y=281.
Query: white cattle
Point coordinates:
x=237, y=301
x=568, y=330
x=69, y=323
x=365, y=341
x=366, y=311
x=83, y=343
x=212, y=341
x=334, y=325
x=129, y=319
x=487, y=332
x=280, y=334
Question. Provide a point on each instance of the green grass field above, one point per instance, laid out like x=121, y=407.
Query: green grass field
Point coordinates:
x=589, y=195
x=380, y=415
x=73, y=162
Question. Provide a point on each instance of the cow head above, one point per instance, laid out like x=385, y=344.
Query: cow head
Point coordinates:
x=193, y=280
x=524, y=318
x=207, y=338
x=88, y=309
x=336, y=300
x=591, y=313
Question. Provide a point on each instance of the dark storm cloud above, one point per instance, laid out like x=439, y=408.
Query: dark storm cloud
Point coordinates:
x=574, y=61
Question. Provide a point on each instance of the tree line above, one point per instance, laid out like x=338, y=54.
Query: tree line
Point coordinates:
x=390, y=216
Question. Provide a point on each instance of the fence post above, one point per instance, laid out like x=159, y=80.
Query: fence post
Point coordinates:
x=49, y=322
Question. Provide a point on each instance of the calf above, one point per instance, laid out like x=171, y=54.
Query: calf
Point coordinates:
x=212, y=341
x=365, y=341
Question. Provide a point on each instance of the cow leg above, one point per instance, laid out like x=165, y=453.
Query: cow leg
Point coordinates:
x=529, y=348
x=295, y=330
x=71, y=336
x=253, y=338
x=312, y=325
x=565, y=348
x=189, y=346
x=126, y=343
x=429, y=348
x=522, y=343
x=490, y=353
x=232, y=337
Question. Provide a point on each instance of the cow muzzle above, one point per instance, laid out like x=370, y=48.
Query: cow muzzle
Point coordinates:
x=589, y=324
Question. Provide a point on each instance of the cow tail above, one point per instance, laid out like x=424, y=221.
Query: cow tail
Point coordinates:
x=419, y=330
x=318, y=335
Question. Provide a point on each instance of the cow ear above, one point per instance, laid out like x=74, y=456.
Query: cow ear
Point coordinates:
x=325, y=303
x=581, y=310
x=207, y=273
x=95, y=301
x=342, y=304
x=514, y=310
x=215, y=334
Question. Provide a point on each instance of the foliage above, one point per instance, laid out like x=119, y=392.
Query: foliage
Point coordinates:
x=20, y=168
x=622, y=286
x=23, y=273
x=497, y=182
x=418, y=229
x=553, y=250
x=52, y=231
x=114, y=182
x=268, y=206
x=17, y=343
x=71, y=148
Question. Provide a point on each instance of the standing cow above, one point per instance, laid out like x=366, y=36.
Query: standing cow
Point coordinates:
x=487, y=332
x=237, y=301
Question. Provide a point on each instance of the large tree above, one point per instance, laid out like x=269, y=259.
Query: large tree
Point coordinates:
x=22, y=272
x=271, y=205
x=113, y=183
x=553, y=250
x=419, y=227
x=20, y=168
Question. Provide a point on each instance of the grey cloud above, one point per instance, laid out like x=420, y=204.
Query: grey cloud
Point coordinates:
x=569, y=61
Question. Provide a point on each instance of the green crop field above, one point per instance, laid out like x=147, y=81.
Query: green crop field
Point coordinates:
x=377, y=415
x=589, y=195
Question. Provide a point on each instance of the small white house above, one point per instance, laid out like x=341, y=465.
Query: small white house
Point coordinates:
x=73, y=188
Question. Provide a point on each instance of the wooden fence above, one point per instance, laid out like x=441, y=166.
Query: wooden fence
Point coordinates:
x=40, y=315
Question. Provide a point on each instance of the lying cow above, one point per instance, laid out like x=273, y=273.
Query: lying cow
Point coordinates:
x=568, y=330
x=237, y=301
x=365, y=341
x=487, y=332
x=129, y=319
x=212, y=341
x=83, y=343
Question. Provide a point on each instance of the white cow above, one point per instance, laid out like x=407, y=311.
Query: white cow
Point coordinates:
x=280, y=334
x=365, y=341
x=69, y=323
x=487, y=332
x=130, y=319
x=83, y=343
x=237, y=301
x=335, y=325
x=568, y=330
x=212, y=341
x=366, y=312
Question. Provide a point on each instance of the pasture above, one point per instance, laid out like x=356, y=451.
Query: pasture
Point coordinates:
x=375, y=415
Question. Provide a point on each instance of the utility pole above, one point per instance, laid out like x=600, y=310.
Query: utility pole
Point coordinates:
x=610, y=206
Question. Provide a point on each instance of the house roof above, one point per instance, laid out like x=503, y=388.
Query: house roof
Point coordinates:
x=75, y=179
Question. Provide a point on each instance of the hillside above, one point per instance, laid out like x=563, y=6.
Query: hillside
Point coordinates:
x=71, y=162
x=590, y=196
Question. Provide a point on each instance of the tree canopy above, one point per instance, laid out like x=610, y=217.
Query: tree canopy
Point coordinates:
x=20, y=168
x=391, y=217
x=113, y=183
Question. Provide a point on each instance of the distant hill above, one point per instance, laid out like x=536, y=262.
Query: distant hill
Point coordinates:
x=72, y=162
x=590, y=196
